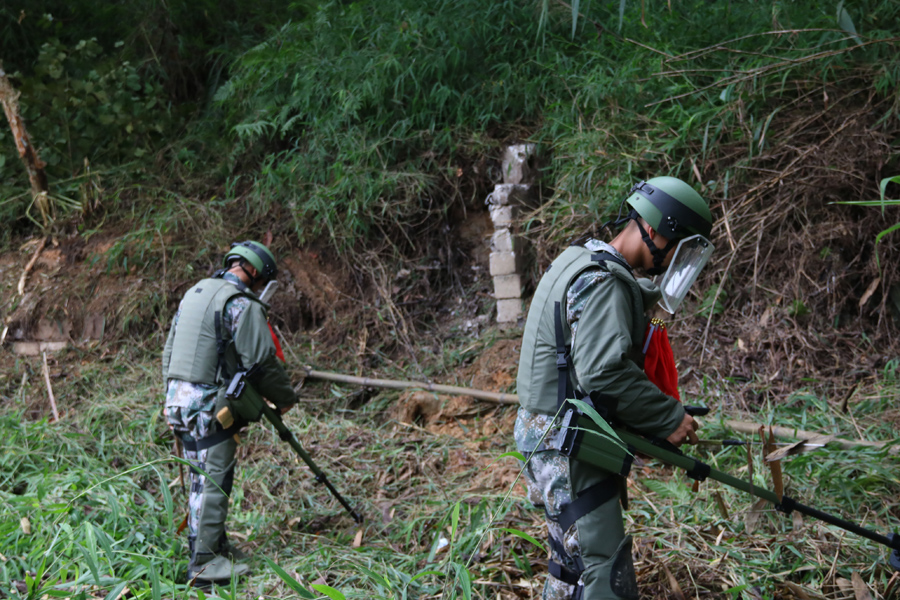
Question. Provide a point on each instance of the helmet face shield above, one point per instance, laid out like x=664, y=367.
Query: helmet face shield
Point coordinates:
x=691, y=255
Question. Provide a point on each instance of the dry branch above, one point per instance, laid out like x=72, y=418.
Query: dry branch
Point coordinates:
x=34, y=166
x=788, y=432
x=50, y=389
x=40, y=247
x=499, y=398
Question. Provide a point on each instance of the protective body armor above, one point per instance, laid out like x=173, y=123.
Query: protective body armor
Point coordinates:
x=536, y=383
x=195, y=353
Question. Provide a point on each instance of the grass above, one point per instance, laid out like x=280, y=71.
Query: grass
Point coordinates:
x=101, y=516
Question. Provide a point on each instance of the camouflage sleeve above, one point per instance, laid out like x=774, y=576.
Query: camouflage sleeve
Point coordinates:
x=254, y=345
x=601, y=346
x=167, y=349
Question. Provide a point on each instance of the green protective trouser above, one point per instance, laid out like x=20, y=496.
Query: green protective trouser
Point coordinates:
x=605, y=549
x=209, y=499
x=591, y=558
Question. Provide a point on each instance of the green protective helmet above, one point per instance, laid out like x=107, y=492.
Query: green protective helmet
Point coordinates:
x=671, y=207
x=257, y=255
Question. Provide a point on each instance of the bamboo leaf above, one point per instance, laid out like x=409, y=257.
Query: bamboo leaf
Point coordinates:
x=379, y=579
x=329, y=591
x=524, y=536
x=591, y=412
x=845, y=22
x=116, y=591
x=465, y=580
x=575, y=4
x=290, y=581
x=514, y=454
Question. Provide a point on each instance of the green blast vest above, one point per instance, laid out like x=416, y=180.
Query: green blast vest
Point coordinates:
x=538, y=374
x=198, y=350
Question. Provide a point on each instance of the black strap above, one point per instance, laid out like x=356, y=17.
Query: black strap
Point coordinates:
x=604, y=256
x=220, y=346
x=587, y=501
x=209, y=441
x=563, y=386
x=557, y=571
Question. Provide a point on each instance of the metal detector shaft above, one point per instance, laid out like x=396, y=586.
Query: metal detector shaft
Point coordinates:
x=785, y=504
x=287, y=435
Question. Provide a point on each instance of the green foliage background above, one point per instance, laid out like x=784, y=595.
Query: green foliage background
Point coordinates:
x=353, y=118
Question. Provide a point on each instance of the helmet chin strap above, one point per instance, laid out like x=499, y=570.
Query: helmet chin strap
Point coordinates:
x=659, y=254
x=253, y=278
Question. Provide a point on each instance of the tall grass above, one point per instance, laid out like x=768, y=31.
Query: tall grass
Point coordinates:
x=101, y=515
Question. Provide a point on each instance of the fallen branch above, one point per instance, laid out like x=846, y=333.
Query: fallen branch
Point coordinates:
x=503, y=398
x=788, y=432
x=30, y=265
x=34, y=166
x=498, y=398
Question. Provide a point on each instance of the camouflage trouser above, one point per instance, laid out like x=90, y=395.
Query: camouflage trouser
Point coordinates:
x=208, y=499
x=594, y=549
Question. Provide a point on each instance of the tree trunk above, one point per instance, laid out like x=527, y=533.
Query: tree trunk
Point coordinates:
x=34, y=166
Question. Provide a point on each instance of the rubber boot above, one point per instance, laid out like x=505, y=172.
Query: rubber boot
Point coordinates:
x=226, y=548
x=613, y=579
x=218, y=569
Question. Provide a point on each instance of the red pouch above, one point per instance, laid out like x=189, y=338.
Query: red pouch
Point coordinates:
x=659, y=361
x=280, y=353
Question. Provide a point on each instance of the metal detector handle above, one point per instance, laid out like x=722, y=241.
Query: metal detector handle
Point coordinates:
x=285, y=434
x=785, y=504
x=696, y=411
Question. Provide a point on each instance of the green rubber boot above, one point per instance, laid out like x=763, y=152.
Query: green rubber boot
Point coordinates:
x=226, y=548
x=220, y=569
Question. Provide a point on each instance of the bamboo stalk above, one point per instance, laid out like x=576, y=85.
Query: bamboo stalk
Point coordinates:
x=503, y=398
x=497, y=398
x=800, y=434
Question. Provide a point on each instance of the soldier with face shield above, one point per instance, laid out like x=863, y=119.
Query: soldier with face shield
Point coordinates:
x=585, y=338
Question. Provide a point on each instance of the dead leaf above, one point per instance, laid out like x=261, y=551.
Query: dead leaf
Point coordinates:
x=720, y=504
x=753, y=515
x=26, y=525
x=767, y=314
x=774, y=465
x=797, y=590
x=675, y=589
x=816, y=441
x=869, y=291
x=319, y=581
x=797, y=520
x=357, y=539
x=860, y=588
x=294, y=521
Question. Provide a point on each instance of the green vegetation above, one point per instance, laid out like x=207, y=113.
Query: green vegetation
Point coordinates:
x=87, y=510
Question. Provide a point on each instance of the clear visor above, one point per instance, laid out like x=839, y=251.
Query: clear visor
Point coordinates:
x=691, y=256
